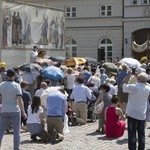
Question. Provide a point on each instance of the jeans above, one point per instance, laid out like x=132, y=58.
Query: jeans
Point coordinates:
x=133, y=126
x=15, y=117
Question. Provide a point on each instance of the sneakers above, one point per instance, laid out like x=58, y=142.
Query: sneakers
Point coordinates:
x=73, y=120
x=60, y=137
x=33, y=137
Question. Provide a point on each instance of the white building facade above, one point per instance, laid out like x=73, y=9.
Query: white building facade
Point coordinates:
x=93, y=28
x=103, y=29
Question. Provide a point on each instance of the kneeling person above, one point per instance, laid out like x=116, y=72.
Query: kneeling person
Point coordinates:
x=56, y=109
x=35, y=121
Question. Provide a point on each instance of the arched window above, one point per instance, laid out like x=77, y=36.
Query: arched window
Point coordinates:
x=105, y=45
x=71, y=48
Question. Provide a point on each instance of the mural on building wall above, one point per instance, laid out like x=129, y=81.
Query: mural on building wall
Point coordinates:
x=26, y=25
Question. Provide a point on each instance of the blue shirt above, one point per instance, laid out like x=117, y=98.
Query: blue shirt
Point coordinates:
x=86, y=75
x=26, y=99
x=121, y=76
x=56, y=104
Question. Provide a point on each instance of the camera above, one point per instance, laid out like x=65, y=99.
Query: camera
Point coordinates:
x=133, y=70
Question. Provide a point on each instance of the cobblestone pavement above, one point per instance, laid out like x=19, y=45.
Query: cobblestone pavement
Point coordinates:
x=78, y=138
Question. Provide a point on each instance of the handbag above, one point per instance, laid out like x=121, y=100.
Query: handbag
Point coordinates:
x=99, y=108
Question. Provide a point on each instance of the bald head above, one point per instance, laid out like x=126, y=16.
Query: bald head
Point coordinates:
x=43, y=85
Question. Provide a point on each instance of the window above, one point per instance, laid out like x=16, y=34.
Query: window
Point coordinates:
x=70, y=12
x=134, y=2
x=105, y=11
x=71, y=48
x=106, y=45
x=146, y=1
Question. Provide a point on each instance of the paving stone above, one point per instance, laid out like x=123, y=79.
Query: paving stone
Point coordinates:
x=78, y=138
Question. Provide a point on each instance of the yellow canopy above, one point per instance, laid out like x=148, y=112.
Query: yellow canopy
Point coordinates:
x=75, y=61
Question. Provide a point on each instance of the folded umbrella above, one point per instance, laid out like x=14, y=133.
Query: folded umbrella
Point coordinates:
x=53, y=73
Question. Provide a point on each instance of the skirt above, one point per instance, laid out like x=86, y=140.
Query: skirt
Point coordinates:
x=34, y=128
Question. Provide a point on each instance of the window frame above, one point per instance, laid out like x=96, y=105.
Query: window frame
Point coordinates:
x=132, y=2
x=72, y=13
x=71, y=48
x=105, y=12
x=147, y=2
x=107, y=44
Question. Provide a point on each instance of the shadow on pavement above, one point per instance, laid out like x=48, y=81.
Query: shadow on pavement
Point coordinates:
x=123, y=141
x=30, y=141
x=105, y=138
x=93, y=133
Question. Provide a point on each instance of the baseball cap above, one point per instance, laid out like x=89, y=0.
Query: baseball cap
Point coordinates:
x=11, y=72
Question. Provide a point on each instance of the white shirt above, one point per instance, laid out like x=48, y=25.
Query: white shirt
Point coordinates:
x=112, y=90
x=30, y=77
x=39, y=92
x=33, y=56
x=81, y=93
x=35, y=117
x=137, y=100
x=70, y=81
x=95, y=80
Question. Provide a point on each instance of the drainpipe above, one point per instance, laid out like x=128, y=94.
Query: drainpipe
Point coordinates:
x=122, y=52
x=1, y=22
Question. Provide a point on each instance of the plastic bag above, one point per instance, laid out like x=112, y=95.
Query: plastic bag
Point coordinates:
x=99, y=108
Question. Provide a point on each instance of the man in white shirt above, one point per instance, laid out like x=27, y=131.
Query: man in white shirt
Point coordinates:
x=33, y=54
x=136, y=109
x=30, y=78
x=80, y=94
x=40, y=91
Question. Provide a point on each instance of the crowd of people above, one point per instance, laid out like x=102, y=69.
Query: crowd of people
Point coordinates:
x=125, y=95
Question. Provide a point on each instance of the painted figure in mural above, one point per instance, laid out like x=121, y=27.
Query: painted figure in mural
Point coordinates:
x=54, y=32
x=51, y=31
x=27, y=32
x=18, y=29
x=14, y=28
x=62, y=26
x=44, y=39
x=6, y=24
x=56, y=35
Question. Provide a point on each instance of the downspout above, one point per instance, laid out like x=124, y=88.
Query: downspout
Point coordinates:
x=122, y=52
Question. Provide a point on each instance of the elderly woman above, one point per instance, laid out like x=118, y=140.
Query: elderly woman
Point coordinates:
x=120, y=77
x=106, y=98
x=95, y=80
x=69, y=80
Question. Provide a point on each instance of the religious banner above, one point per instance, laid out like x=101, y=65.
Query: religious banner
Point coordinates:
x=27, y=25
x=140, y=48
